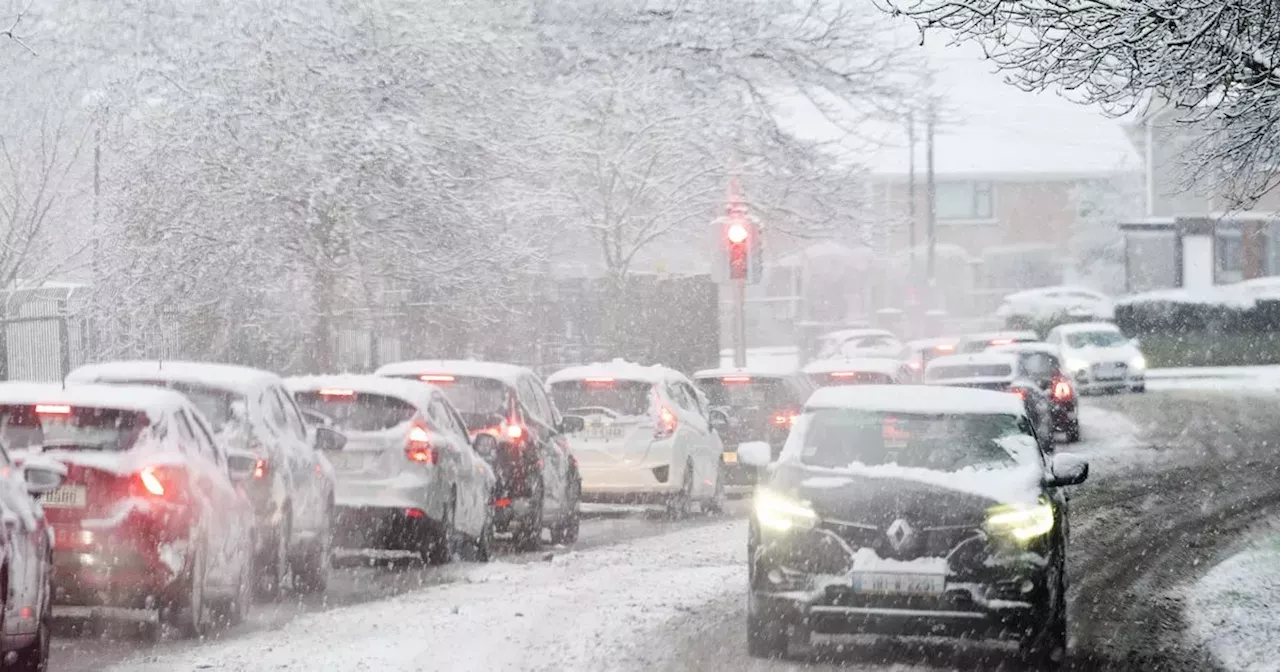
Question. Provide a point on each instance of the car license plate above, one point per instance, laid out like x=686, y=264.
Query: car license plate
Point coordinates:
x=897, y=583
x=65, y=497
x=603, y=432
x=349, y=461
x=730, y=458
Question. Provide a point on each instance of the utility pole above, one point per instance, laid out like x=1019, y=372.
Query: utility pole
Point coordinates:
x=911, y=189
x=932, y=190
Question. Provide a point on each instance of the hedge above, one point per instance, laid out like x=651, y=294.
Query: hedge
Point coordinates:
x=1178, y=333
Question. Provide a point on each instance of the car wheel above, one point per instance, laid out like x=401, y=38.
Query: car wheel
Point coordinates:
x=311, y=572
x=479, y=549
x=236, y=610
x=1045, y=645
x=529, y=535
x=678, y=504
x=566, y=532
x=766, y=638
x=715, y=505
x=35, y=656
x=276, y=572
x=441, y=539
x=188, y=612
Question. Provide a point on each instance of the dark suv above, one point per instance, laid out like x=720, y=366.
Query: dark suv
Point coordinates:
x=760, y=406
x=1039, y=362
x=927, y=513
x=516, y=428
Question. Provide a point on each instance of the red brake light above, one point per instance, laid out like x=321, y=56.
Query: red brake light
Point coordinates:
x=667, y=423
x=337, y=393
x=736, y=379
x=785, y=419
x=1022, y=394
x=1002, y=341
x=1062, y=390
x=419, y=449
x=945, y=347
x=260, y=469
x=737, y=233
x=53, y=409
x=844, y=374
x=436, y=378
x=515, y=432
x=915, y=364
x=599, y=380
x=151, y=482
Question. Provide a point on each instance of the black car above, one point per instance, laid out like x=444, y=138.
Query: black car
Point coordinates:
x=1039, y=362
x=760, y=406
x=997, y=371
x=929, y=511
x=518, y=429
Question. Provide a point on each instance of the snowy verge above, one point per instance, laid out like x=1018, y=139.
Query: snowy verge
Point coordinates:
x=579, y=611
x=1231, y=610
x=1216, y=378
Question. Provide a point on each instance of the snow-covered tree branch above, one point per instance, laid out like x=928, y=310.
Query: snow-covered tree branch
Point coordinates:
x=1216, y=62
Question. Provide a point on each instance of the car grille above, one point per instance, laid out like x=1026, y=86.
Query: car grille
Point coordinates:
x=920, y=542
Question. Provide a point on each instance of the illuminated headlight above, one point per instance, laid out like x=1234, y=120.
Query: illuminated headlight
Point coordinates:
x=783, y=514
x=1074, y=365
x=1138, y=363
x=1022, y=522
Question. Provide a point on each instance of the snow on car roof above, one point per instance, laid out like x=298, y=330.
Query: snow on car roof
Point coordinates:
x=225, y=376
x=507, y=373
x=884, y=365
x=1084, y=327
x=618, y=370
x=145, y=399
x=1026, y=335
x=765, y=368
x=409, y=391
x=915, y=399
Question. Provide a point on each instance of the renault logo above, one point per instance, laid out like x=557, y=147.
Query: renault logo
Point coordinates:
x=900, y=534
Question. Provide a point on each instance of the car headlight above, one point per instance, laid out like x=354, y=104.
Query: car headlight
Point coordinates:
x=1022, y=522
x=1138, y=363
x=783, y=514
x=1074, y=365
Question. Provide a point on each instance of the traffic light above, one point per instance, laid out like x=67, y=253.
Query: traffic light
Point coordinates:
x=738, y=237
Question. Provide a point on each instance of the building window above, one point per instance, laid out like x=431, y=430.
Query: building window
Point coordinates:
x=1229, y=250
x=964, y=201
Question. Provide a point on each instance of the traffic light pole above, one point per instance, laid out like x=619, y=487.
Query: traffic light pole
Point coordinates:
x=740, y=323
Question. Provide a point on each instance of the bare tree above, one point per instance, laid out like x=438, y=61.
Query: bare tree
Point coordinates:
x=1215, y=62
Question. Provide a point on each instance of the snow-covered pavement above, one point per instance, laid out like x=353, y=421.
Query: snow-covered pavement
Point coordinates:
x=1232, y=612
x=577, y=611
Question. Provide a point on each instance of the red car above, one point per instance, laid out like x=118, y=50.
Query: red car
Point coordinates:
x=150, y=515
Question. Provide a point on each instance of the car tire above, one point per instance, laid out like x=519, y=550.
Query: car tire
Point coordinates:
x=566, y=532
x=480, y=549
x=187, y=612
x=766, y=638
x=528, y=536
x=678, y=504
x=236, y=610
x=35, y=656
x=276, y=570
x=440, y=540
x=1044, y=647
x=311, y=572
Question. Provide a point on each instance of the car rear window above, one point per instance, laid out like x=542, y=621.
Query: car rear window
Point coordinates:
x=962, y=371
x=746, y=392
x=474, y=397
x=623, y=397
x=358, y=411
x=58, y=426
x=836, y=438
x=215, y=403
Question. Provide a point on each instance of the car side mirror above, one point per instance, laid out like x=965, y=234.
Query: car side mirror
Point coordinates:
x=572, y=424
x=1066, y=469
x=43, y=478
x=241, y=465
x=755, y=453
x=329, y=439
x=718, y=419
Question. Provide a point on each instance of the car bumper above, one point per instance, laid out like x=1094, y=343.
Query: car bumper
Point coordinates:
x=638, y=482
x=379, y=527
x=405, y=491
x=117, y=572
x=935, y=619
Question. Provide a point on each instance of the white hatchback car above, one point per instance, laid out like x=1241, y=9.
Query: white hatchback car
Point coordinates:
x=408, y=478
x=1099, y=358
x=648, y=435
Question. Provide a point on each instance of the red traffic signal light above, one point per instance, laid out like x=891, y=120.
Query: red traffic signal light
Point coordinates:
x=737, y=233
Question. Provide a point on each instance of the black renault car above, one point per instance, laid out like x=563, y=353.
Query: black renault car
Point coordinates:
x=914, y=511
x=760, y=405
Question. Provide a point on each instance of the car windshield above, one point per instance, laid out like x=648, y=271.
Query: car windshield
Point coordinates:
x=962, y=371
x=1097, y=339
x=618, y=397
x=358, y=411
x=68, y=427
x=837, y=438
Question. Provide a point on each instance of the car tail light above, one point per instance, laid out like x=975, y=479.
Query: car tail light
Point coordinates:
x=1002, y=341
x=667, y=423
x=945, y=347
x=1022, y=394
x=344, y=394
x=915, y=364
x=419, y=448
x=606, y=381
x=844, y=375
x=736, y=379
x=53, y=409
x=156, y=482
x=260, y=469
x=785, y=418
x=515, y=432
x=436, y=378
x=1062, y=390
